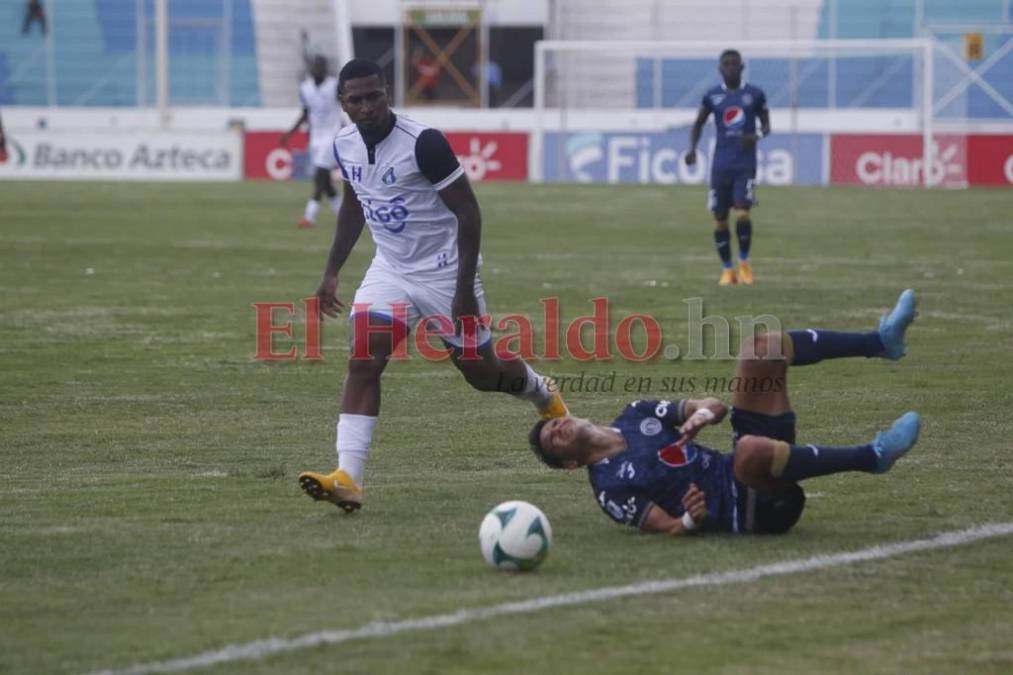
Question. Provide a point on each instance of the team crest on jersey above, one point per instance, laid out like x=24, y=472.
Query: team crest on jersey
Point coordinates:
x=747, y=99
x=388, y=177
x=717, y=98
x=734, y=116
x=650, y=426
x=676, y=455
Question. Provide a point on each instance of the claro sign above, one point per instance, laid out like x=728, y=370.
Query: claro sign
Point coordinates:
x=896, y=160
x=133, y=155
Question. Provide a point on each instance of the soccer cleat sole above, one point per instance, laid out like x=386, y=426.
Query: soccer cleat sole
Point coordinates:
x=314, y=489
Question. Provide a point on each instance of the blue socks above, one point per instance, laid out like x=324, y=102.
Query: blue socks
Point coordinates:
x=744, y=232
x=809, y=461
x=813, y=346
x=723, y=242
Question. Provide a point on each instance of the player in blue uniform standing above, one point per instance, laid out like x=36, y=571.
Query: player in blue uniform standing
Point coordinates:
x=647, y=471
x=736, y=107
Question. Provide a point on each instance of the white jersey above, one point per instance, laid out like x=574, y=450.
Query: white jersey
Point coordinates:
x=324, y=108
x=397, y=181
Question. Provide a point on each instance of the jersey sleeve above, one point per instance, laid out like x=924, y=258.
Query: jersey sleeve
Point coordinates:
x=671, y=413
x=625, y=505
x=436, y=160
x=761, y=101
x=705, y=103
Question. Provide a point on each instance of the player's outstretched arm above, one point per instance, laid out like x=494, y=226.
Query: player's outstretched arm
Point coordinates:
x=349, y=226
x=295, y=127
x=660, y=521
x=695, y=133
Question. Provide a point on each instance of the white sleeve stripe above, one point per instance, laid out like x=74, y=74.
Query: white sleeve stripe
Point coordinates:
x=457, y=173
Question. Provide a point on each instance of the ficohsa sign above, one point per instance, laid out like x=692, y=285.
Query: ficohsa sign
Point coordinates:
x=134, y=155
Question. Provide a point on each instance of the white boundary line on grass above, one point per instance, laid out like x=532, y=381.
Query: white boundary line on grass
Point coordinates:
x=379, y=629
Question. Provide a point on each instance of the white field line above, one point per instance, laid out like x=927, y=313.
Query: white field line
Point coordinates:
x=380, y=629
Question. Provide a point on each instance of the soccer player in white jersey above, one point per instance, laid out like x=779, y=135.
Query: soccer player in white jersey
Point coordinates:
x=321, y=108
x=403, y=181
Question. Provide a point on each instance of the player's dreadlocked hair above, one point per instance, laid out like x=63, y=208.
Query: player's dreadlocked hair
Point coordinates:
x=357, y=68
x=535, y=439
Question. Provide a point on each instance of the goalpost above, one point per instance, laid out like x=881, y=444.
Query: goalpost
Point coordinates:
x=588, y=92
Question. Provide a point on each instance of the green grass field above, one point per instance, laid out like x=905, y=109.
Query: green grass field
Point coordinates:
x=150, y=504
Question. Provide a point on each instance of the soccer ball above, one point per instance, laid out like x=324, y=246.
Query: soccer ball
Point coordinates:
x=515, y=536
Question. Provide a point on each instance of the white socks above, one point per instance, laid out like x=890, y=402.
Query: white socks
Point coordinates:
x=312, y=206
x=535, y=389
x=335, y=202
x=355, y=433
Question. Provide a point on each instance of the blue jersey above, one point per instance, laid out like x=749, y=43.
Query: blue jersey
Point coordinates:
x=654, y=470
x=735, y=112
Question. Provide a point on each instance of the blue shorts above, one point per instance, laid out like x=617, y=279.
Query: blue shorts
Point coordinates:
x=778, y=427
x=759, y=512
x=731, y=187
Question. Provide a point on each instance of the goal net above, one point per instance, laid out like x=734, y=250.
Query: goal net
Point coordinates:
x=842, y=112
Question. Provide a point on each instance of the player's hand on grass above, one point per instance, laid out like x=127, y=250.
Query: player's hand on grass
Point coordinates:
x=327, y=294
x=465, y=304
x=690, y=158
x=695, y=503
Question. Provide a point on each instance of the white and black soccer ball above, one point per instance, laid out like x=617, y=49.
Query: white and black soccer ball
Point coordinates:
x=515, y=536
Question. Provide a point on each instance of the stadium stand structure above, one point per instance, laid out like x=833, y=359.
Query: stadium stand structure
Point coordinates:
x=874, y=82
x=101, y=60
x=279, y=25
x=98, y=62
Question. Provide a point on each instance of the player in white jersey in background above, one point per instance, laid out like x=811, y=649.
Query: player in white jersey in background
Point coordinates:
x=403, y=180
x=321, y=108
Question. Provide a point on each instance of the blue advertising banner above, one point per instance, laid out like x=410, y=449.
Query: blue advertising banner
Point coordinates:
x=657, y=157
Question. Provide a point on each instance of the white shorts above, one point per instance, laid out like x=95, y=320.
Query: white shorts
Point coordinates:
x=322, y=154
x=381, y=290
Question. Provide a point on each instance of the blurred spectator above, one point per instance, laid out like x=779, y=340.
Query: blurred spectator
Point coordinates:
x=493, y=79
x=427, y=73
x=3, y=143
x=34, y=13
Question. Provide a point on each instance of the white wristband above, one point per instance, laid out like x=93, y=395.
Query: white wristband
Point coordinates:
x=706, y=414
x=688, y=522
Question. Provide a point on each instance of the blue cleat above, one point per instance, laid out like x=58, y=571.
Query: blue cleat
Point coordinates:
x=894, y=324
x=894, y=443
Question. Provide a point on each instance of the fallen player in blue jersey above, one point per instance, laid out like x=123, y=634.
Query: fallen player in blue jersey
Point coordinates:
x=647, y=471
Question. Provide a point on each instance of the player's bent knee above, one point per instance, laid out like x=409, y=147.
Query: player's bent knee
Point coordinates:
x=762, y=347
x=753, y=458
x=721, y=223
x=741, y=213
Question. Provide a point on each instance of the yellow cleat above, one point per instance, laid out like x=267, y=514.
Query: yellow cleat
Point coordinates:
x=336, y=487
x=745, y=273
x=727, y=278
x=556, y=407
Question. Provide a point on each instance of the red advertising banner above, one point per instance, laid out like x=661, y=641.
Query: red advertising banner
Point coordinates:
x=491, y=156
x=896, y=160
x=484, y=156
x=991, y=159
x=265, y=159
